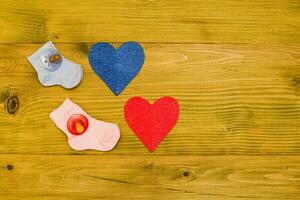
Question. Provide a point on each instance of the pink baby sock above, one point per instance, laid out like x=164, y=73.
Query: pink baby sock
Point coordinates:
x=83, y=131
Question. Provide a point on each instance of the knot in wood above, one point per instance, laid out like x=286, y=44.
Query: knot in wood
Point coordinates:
x=12, y=104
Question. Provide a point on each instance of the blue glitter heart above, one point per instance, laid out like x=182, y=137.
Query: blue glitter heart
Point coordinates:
x=117, y=67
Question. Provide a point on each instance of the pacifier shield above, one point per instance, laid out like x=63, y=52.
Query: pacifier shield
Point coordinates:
x=48, y=62
x=77, y=124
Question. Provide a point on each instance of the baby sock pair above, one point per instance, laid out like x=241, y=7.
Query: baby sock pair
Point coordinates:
x=83, y=132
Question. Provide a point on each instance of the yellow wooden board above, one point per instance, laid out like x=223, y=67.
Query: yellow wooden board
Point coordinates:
x=149, y=177
x=181, y=21
x=234, y=67
x=234, y=99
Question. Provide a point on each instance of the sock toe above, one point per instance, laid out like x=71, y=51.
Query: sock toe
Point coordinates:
x=110, y=138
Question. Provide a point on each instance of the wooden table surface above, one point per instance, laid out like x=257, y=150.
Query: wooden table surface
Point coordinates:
x=234, y=67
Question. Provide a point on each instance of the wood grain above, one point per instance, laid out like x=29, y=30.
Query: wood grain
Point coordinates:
x=185, y=21
x=234, y=99
x=234, y=67
x=149, y=177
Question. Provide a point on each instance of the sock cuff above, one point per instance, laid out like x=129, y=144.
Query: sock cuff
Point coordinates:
x=62, y=111
x=33, y=57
